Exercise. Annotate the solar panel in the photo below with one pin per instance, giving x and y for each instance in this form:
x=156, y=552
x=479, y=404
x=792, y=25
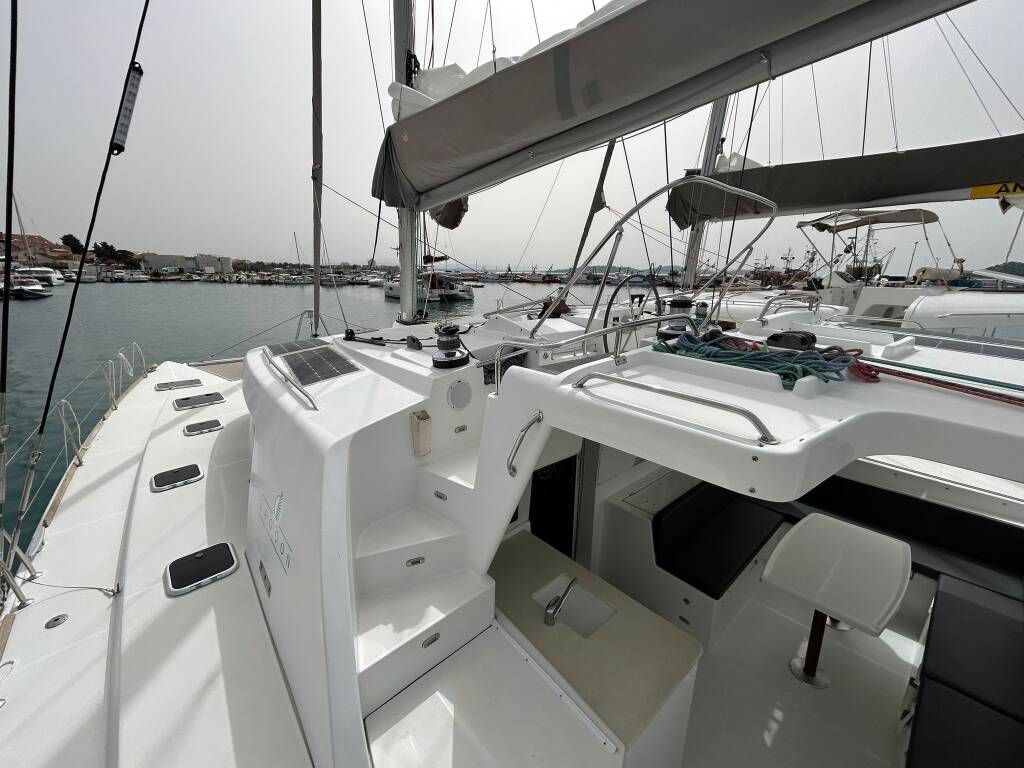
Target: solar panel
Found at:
x=318, y=364
x=295, y=346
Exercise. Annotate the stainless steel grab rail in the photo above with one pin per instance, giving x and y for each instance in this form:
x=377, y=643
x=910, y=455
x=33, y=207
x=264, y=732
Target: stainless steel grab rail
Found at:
x=289, y=380
x=537, y=418
x=764, y=434
x=813, y=301
x=522, y=346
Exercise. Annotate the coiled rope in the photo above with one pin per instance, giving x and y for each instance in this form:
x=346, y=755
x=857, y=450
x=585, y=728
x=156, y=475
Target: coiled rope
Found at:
x=789, y=365
x=829, y=364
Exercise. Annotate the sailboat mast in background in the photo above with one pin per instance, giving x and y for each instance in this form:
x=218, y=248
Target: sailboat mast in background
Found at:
x=318, y=162
x=405, y=45
x=712, y=148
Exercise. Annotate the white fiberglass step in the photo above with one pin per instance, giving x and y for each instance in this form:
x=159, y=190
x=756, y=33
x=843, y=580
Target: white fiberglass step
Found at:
x=405, y=632
x=406, y=547
x=458, y=467
x=484, y=706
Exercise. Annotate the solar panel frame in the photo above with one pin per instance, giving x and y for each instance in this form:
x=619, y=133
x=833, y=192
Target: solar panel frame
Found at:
x=320, y=363
x=286, y=347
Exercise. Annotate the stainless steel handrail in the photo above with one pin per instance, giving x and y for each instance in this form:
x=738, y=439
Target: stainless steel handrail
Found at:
x=764, y=434
x=289, y=380
x=549, y=345
x=813, y=301
x=680, y=182
x=537, y=418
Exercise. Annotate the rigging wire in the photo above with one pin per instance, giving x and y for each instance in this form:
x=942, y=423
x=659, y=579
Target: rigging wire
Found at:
x=817, y=111
x=250, y=338
x=636, y=201
x=982, y=63
x=373, y=66
x=36, y=452
x=483, y=30
x=327, y=258
x=867, y=94
x=743, y=167
x=536, y=26
x=537, y=222
x=887, y=60
x=970, y=82
x=494, y=47
x=671, y=250
x=8, y=203
x=451, y=26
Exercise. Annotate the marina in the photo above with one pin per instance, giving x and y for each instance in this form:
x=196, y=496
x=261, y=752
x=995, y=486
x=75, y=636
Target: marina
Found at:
x=736, y=510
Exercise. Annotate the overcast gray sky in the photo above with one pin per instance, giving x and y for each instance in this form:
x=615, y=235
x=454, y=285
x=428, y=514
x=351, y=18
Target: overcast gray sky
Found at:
x=218, y=156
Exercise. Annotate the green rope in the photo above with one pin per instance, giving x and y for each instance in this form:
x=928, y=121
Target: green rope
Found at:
x=788, y=365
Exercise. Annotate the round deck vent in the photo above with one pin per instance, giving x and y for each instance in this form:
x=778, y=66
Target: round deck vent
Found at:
x=460, y=394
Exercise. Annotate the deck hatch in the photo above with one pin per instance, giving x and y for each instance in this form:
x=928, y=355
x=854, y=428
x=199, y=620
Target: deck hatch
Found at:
x=198, y=401
x=319, y=364
x=164, y=386
x=294, y=346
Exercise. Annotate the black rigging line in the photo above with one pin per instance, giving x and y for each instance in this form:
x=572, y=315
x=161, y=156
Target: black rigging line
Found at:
x=37, y=452
x=376, y=235
x=4, y=332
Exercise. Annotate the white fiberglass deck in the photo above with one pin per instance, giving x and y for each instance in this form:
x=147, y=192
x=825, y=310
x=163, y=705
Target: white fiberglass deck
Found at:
x=144, y=679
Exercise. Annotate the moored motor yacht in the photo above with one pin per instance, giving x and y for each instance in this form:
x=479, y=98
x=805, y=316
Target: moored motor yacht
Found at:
x=44, y=275
x=25, y=287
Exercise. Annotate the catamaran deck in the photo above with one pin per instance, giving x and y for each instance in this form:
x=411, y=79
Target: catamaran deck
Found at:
x=142, y=678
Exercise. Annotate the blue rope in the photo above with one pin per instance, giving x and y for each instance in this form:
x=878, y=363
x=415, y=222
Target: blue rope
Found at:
x=789, y=365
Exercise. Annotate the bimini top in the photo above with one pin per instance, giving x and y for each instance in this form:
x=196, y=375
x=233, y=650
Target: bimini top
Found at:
x=844, y=220
x=971, y=170
x=634, y=67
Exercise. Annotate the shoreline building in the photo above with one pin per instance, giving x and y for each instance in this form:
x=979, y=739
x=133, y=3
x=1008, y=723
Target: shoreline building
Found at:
x=202, y=263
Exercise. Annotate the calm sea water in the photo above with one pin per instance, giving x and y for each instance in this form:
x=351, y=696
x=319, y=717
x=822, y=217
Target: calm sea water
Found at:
x=170, y=321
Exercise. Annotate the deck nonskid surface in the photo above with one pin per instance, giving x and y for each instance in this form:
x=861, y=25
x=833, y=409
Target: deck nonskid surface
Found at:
x=187, y=680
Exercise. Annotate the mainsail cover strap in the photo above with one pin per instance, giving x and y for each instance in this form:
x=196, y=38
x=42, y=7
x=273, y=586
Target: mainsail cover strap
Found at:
x=650, y=61
x=990, y=168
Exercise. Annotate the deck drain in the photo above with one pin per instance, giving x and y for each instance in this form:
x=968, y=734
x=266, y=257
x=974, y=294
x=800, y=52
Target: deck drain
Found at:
x=56, y=621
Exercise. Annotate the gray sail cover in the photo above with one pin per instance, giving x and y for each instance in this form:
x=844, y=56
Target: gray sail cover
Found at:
x=656, y=60
x=990, y=168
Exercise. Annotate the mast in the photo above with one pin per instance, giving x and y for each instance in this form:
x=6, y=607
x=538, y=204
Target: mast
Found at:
x=408, y=245
x=318, y=163
x=712, y=148
x=5, y=325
